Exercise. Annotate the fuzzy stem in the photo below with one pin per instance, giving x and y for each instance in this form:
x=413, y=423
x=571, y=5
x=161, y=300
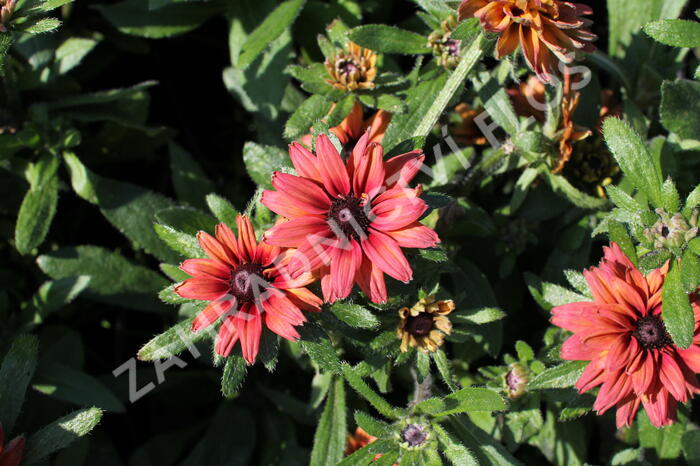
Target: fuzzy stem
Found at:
x=470, y=58
x=422, y=390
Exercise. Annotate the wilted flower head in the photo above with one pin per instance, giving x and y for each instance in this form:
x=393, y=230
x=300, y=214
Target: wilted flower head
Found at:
x=548, y=31
x=528, y=98
x=622, y=333
x=351, y=129
x=11, y=454
x=352, y=69
x=425, y=325
x=7, y=7
x=349, y=219
x=592, y=167
x=570, y=133
x=247, y=283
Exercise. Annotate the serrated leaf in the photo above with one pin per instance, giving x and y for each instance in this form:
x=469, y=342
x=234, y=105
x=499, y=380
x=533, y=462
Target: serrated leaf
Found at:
x=458, y=454
x=312, y=109
x=371, y=425
x=171, y=342
x=634, y=158
x=329, y=440
x=222, y=209
x=61, y=433
x=16, y=372
x=464, y=400
x=234, y=373
x=690, y=271
x=271, y=28
x=261, y=161
x=354, y=315
x=675, y=32
x=38, y=207
x=318, y=346
x=185, y=244
x=376, y=400
x=676, y=311
x=680, y=108
x=168, y=295
x=562, y=376
x=113, y=279
x=549, y=295
x=443, y=367
x=41, y=26
x=389, y=39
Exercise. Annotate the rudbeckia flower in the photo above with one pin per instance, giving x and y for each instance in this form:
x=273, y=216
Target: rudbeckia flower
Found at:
x=351, y=129
x=349, y=220
x=425, y=325
x=11, y=454
x=548, y=31
x=247, y=283
x=352, y=69
x=622, y=333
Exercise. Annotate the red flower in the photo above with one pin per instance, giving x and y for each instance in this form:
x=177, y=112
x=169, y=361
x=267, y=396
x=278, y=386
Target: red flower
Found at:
x=622, y=333
x=349, y=220
x=11, y=454
x=351, y=129
x=248, y=283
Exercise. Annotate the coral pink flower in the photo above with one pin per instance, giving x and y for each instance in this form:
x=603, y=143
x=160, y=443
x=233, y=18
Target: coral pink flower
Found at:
x=349, y=220
x=622, y=333
x=249, y=284
x=11, y=454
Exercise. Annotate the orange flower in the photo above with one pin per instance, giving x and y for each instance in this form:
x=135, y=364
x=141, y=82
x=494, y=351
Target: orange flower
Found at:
x=359, y=439
x=352, y=69
x=528, y=98
x=466, y=132
x=546, y=30
x=11, y=454
x=570, y=132
x=622, y=333
x=351, y=129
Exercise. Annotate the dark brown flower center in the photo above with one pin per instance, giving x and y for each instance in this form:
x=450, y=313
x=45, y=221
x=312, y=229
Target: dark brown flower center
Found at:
x=348, y=218
x=651, y=333
x=420, y=325
x=247, y=282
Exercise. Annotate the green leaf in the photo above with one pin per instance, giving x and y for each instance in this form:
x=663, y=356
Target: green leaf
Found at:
x=113, y=279
x=318, y=346
x=434, y=255
x=261, y=161
x=690, y=271
x=185, y=244
x=618, y=234
x=314, y=108
x=40, y=26
x=233, y=375
x=469, y=59
x=329, y=440
x=52, y=295
x=354, y=315
x=168, y=295
x=389, y=39
x=634, y=158
x=458, y=454
x=680, y=108
x=191, y=184
x=562, y=376
x=376, y=400
x=135, y=18
x=549, y=295
x=676, y=310
x=371, y=425
x=443, y=366
x=222, y=209
x=497, y=103
x=61, y=433
x=691, y=446
x=15, y=374
x=71, y=52
x=525, y=352
x=172, y=342
x=271, y=28
x=666, y=441
x=39, y=205
x=131, y=209
x=675, y=32
x=464, y=400
x=65, y=383
x=479, y=316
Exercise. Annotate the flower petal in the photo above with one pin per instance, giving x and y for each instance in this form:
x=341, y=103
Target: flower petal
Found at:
x=415, y=235
x=212, y=313
x=333, y=171
x=385, y=252
x=205, y=289
x=206, y=268
x=302, y=192
x=294, y=232
x=305, y=163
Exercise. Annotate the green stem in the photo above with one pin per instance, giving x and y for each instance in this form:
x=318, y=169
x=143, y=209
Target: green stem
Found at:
x=470, y=58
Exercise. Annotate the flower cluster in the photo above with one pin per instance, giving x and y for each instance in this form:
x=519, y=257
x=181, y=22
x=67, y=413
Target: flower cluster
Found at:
x=342, y=222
